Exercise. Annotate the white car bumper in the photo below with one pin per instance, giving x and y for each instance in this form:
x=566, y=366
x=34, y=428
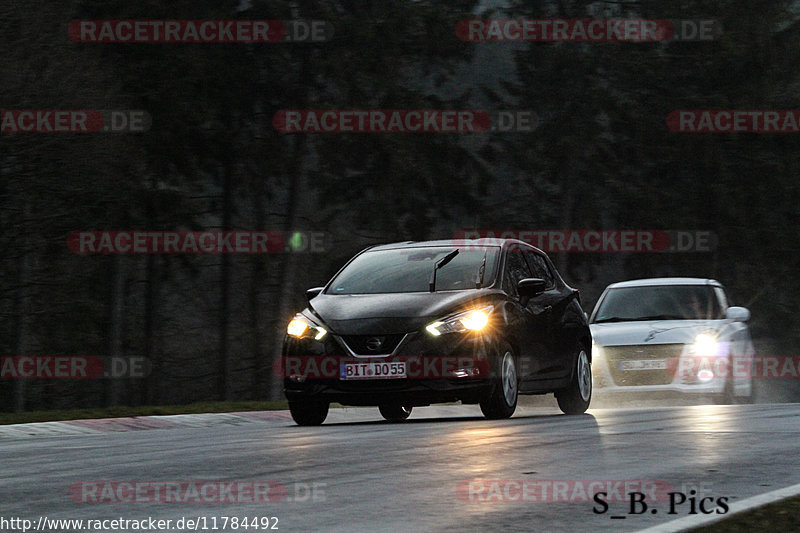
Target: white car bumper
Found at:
x=672, y=368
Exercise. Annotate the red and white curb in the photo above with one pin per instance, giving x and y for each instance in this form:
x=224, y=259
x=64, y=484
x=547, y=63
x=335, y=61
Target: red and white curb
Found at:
x=99, y=426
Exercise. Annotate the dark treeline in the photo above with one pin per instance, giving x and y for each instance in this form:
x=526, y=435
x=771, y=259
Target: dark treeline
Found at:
x=601, y=157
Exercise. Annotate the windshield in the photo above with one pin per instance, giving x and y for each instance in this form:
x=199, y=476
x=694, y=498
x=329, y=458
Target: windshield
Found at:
x=667, y=302
x=409, y=270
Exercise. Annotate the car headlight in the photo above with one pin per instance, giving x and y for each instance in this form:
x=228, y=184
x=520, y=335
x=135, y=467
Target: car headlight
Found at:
x=472, y=320
x=300, y=327
x=705, y=345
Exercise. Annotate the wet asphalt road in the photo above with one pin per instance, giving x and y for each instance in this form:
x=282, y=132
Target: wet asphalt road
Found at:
x=359, y=473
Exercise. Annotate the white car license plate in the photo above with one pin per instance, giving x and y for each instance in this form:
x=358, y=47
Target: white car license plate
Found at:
x=373, y=370
x=650, y=364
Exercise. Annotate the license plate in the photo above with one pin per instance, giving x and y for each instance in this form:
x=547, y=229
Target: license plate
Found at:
x=373, y=370
x=650, y=364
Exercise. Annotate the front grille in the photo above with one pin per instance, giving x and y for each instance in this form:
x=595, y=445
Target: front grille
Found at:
x=642, y=352
x=372, y=344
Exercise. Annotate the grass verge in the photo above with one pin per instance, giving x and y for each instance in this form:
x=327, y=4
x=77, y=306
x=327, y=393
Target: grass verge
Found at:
x=779, y=516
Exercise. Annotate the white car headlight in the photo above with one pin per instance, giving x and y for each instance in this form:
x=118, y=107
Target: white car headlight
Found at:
x=705, y=345
x=300, y=327
x=472, y=320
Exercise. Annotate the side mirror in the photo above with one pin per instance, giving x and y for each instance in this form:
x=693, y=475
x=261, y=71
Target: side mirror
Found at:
x=738, y=314
x=530, y=287
x=313, y=293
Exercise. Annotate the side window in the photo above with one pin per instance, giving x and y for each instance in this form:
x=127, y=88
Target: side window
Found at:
x=539, y=268
x=516, y=269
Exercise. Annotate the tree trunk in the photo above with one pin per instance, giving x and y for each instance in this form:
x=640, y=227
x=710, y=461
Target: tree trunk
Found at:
x=150, y=394
x=223, y=362
x=260, y=384
x=22, y=307
x=113, y=386
x=288, y=265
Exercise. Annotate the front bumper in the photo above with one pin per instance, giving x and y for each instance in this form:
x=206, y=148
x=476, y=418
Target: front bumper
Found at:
x=448, y=368
x=684, y=372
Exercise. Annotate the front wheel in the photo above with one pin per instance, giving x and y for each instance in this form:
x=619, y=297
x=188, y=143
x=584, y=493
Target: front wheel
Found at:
x=574, y=398
x=394, y=412
x=502, y=402
x=309, y=413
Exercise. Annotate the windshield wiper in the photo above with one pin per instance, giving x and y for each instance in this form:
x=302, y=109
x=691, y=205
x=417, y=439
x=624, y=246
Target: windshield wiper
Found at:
x=638, y=318
x=658, y=317
x=439, y=264
x=613, y=319
x=481, y=272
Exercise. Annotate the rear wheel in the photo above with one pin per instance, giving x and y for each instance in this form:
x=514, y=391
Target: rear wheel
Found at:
x=394, y=412
x=309, y=413
x=502, y=402
x=574, y=399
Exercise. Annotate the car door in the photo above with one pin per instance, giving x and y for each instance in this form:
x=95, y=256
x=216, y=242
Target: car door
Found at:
x=550, y=307
x=528, y=323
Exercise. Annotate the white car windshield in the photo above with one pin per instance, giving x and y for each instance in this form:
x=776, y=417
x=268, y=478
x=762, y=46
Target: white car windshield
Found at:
x=665, y=302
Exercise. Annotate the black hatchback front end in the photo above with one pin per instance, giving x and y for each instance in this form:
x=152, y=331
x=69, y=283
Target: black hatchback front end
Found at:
x=412, y=324
x=410, y=367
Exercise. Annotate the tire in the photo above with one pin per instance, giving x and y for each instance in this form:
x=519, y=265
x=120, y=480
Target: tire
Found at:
x=502, y=401
x=309, y=413
x=575, y=398
x=394, y=412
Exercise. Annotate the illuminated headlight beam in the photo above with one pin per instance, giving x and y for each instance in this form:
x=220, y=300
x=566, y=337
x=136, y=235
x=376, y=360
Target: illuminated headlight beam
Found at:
x=298, y=327
x=473, y=320
x=705, y=345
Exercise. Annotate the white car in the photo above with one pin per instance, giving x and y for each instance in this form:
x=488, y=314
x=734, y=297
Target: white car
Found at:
x=671, y=334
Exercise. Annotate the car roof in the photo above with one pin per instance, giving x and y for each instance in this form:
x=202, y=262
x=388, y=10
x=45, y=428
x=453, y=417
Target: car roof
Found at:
x=664, y=281
x=453, y=242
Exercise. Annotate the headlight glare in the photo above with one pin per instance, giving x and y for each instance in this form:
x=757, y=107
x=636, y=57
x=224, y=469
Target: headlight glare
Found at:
x=433, y=329
x=704, y=345
x=475, y=320
x=472, y=320
x=300, y=327
x=296, y=327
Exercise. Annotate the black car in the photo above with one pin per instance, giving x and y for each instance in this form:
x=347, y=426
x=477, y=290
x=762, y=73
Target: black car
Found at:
x=415, y=323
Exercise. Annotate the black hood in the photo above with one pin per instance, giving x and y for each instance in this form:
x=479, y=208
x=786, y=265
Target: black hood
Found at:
x=386, y=314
